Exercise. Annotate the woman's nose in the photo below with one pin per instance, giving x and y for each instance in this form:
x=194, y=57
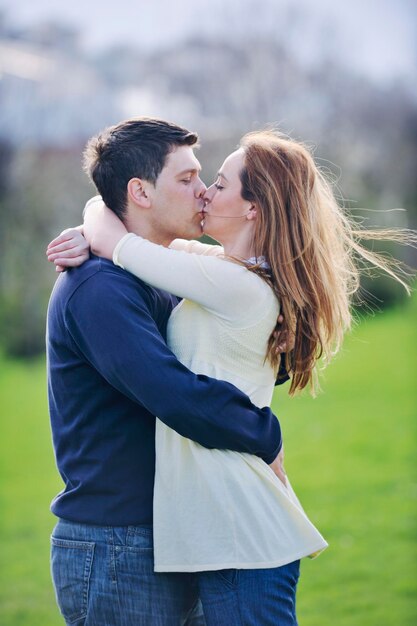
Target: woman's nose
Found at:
x=208, y=196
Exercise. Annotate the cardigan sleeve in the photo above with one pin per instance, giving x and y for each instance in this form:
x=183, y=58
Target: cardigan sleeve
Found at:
x=225, y=288
x=196, y=247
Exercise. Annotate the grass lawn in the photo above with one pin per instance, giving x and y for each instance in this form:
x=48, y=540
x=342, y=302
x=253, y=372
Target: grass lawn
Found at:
x=351, y=457
x=350, y=454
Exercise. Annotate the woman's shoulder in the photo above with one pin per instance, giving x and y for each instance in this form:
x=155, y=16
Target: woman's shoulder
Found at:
x=250, y=293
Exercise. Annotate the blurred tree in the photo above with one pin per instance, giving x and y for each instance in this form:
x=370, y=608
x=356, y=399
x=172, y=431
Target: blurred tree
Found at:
x=220, y=86
x=46, y=194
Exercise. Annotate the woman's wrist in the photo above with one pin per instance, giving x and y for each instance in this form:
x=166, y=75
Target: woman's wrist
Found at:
x=102, y=229
x=119, y=246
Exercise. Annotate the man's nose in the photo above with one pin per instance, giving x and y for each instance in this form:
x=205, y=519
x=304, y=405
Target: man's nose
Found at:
x=201, y=189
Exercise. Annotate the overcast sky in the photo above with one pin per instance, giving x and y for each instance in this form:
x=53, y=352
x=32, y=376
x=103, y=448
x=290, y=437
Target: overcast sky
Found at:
x=377, y=37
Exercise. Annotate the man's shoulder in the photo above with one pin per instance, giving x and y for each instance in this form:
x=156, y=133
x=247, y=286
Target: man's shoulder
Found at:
x=100, y=280
x=94, y=274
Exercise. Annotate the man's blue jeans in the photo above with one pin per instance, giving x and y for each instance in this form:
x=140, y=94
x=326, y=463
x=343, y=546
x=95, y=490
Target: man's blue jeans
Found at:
x=103, y=576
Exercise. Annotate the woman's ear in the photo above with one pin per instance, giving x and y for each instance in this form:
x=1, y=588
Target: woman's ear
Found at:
x=136, y=191
x=251, y=215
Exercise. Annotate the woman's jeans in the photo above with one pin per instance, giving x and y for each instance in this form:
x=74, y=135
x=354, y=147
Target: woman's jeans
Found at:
x=250, y=597
x=103, y=576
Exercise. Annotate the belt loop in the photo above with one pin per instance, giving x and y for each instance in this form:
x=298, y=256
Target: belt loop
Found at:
x=109, y=535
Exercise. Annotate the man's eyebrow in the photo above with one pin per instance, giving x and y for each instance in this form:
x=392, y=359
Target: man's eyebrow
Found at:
x=190, y=170
x=222, y=176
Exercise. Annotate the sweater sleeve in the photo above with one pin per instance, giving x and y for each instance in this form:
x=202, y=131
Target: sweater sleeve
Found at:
x=112, y=326
x=224, y=288
x=196, y=247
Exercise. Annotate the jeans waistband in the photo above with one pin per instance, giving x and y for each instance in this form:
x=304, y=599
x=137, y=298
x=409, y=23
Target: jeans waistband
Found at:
x=114, y=535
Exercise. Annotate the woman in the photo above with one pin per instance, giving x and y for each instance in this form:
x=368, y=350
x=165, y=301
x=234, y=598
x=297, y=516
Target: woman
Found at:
x=286, y=245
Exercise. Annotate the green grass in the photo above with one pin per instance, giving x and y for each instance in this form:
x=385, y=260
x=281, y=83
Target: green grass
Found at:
x=350, y=454
x=28, y=481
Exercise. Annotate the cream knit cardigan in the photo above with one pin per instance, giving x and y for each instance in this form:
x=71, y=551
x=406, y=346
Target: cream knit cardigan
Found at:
x=217, y=509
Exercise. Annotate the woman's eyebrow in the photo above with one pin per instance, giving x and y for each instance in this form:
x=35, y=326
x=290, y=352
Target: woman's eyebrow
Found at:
x=222, y=176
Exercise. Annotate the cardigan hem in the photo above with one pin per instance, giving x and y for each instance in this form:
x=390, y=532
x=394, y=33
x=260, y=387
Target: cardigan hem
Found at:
x=209, y=567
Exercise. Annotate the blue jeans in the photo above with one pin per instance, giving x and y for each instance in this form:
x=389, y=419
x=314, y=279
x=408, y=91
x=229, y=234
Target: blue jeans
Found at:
x=250, y=597
x=103, y=576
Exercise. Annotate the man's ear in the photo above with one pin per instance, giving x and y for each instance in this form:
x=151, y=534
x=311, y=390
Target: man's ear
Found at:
x=137, y=192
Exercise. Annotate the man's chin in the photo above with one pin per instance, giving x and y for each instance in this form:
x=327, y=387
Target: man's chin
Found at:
x=194, y=232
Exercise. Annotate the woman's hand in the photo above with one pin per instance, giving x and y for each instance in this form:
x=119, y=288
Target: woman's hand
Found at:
x=69, y=249
x=277, y=467
x=102, y=228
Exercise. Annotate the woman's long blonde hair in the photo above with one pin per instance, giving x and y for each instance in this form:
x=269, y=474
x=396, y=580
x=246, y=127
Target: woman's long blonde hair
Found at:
x=312, y=247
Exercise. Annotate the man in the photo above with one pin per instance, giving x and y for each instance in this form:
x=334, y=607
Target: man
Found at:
x=110, y=373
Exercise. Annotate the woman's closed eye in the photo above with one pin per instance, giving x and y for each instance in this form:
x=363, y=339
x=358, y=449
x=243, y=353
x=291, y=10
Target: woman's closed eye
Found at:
x=218, y=186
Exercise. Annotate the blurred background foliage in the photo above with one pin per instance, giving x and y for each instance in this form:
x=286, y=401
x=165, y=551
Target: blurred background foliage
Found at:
x=240, y=75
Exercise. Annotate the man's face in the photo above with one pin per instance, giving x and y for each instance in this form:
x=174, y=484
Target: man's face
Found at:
x=177, y=198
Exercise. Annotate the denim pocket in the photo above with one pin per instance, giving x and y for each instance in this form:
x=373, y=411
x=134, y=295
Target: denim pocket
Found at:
x=229, y=576
x=71, y=563
x=139, y=538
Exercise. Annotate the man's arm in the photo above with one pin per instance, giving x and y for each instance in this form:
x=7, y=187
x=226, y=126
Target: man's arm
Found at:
x=282, y=375
x=113, y=328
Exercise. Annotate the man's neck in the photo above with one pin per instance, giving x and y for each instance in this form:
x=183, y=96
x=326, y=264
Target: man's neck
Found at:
x=146, y=230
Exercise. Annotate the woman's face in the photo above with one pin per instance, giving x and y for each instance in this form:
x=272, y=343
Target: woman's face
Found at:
x=226, y=212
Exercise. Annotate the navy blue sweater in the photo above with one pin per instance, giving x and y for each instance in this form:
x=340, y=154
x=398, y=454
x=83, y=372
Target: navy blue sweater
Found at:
x=109, y=373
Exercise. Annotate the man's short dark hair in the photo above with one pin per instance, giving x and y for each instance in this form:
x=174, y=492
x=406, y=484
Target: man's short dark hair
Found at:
x=136, y=148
